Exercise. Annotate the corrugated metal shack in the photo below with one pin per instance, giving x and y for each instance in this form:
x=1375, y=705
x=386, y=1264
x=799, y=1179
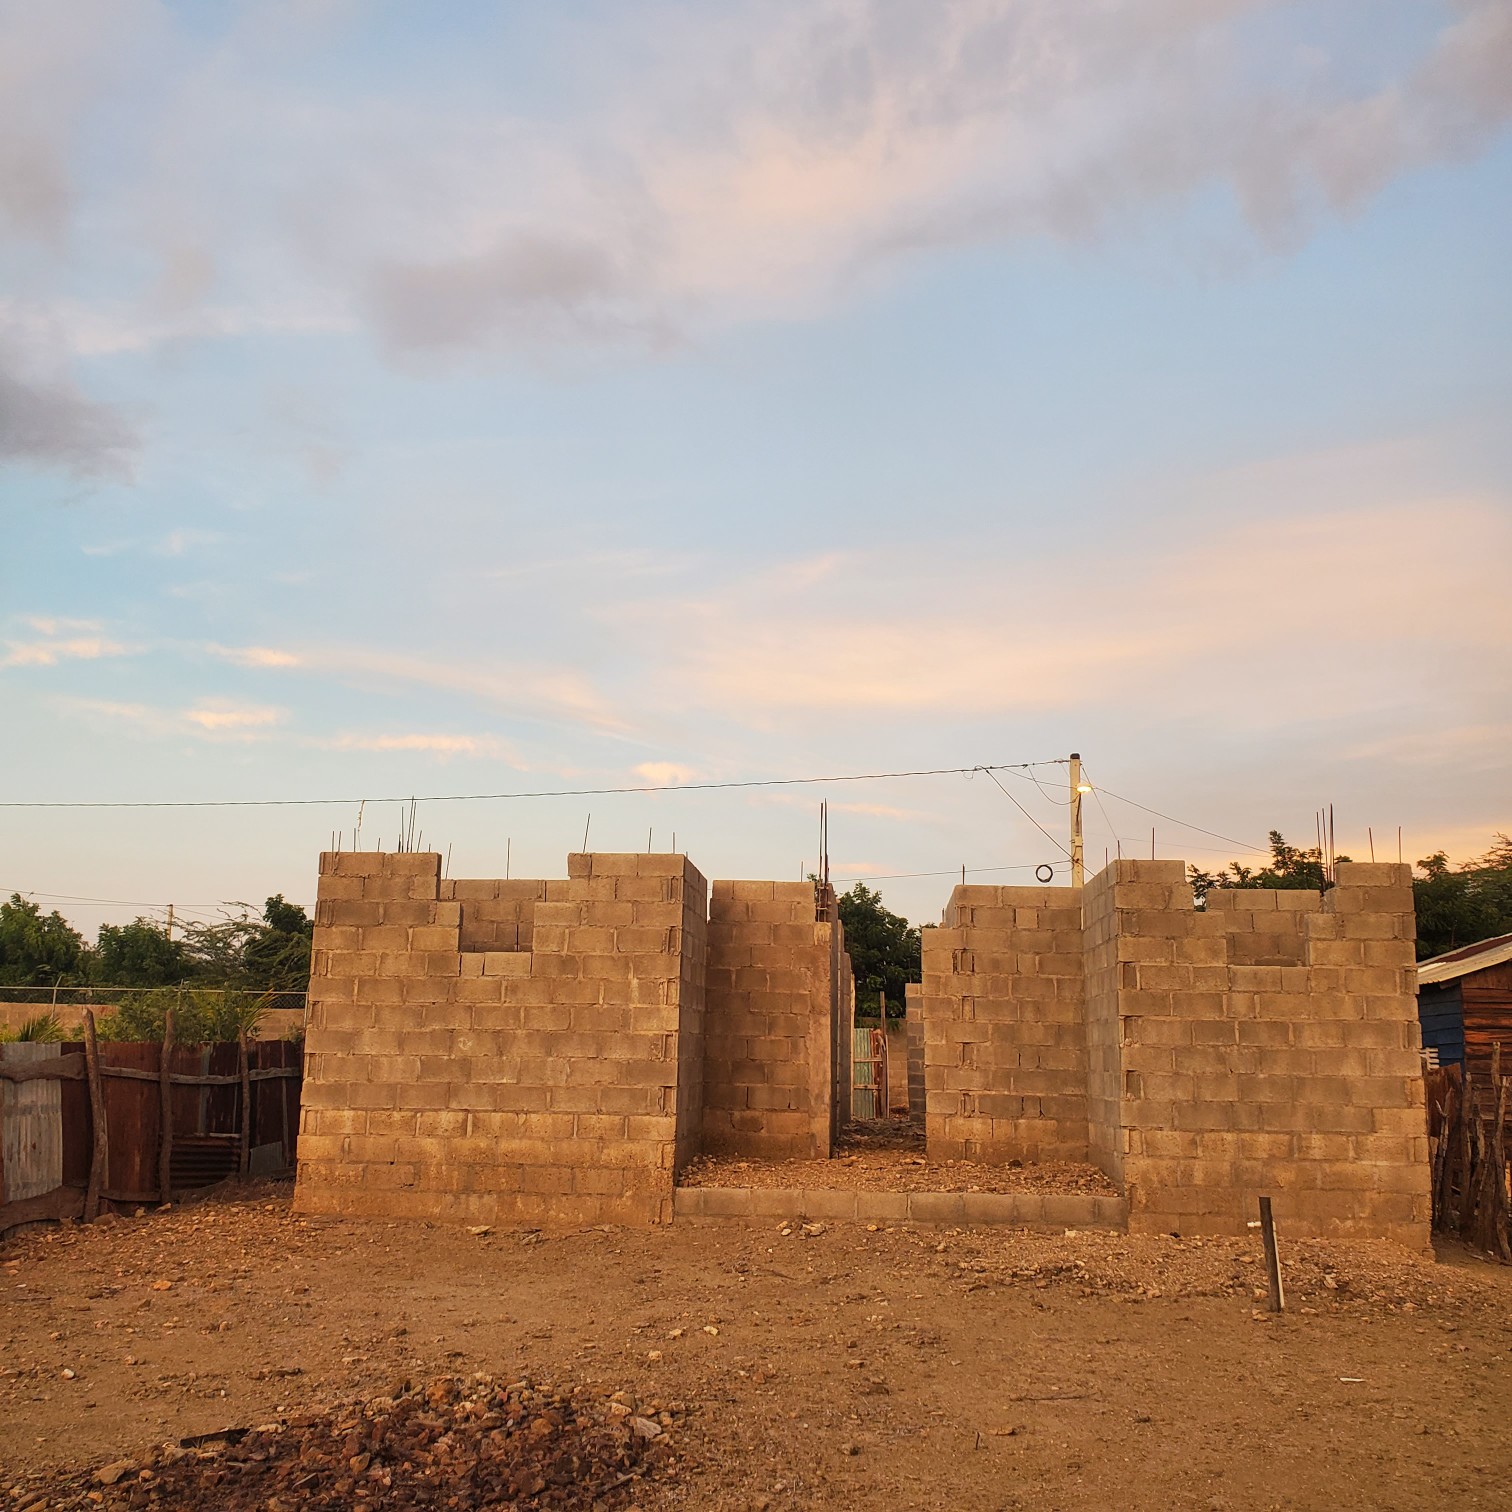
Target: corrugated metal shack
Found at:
x=1465, y=1004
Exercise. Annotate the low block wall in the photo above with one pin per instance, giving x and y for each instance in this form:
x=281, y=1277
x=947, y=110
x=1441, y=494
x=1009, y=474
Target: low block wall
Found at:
x=768, y=1041
x=484, y=1084
x=1269, y=1046
x=1266, y=1044
x=1005, y=1050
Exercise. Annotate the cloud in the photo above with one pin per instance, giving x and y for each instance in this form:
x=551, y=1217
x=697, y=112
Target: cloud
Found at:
x=1308, y=613
x=765, y=155
x=48, y=653
x=222, y=715
x=442, y=746
x=548, y=693
x=54, y=63
x=665, y=773
x=217, y=719
x=717, y=164
x=182, y=541
x=51, y=624
x=255, y=656
x=47, y=421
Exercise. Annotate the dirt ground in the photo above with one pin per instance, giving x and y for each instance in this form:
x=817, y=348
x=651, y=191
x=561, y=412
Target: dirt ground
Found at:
x=827, y=1366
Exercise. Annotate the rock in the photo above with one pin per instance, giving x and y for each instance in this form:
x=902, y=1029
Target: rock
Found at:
x=850, y=1449
x=108, y=1475
x=709, y=1328
x=645, y=1428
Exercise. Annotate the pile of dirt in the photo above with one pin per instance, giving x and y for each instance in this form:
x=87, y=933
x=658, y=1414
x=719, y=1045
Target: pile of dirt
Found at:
x=456, y=1443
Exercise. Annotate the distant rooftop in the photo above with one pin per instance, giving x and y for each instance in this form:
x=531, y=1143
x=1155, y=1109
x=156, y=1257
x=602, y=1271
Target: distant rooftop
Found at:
x=1468, y=958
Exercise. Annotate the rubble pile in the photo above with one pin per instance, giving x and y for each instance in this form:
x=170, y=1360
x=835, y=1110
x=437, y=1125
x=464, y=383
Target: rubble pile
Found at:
x=456, y=1443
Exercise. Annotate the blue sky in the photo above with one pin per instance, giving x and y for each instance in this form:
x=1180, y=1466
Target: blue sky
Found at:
x=487, y=398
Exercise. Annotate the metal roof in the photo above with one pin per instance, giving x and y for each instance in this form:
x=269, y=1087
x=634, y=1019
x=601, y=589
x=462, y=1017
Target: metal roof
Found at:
x=1468, y=958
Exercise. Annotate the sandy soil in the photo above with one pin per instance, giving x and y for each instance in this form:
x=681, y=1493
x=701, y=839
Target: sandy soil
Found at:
x=888, y=1155
x=835, y=1367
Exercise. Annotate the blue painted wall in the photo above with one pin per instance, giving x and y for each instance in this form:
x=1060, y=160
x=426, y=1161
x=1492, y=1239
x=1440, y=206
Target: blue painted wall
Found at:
x=1441, y=1013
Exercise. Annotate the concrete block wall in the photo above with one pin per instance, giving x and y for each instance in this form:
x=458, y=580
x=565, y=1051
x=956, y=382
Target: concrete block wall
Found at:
x=490, y=1084
x=914, y=1041
x=843, y=1019
x=1005, y=1048
x=1100, y=954
x=1264, y=1045
x=1269, y=1046
x=772, y=996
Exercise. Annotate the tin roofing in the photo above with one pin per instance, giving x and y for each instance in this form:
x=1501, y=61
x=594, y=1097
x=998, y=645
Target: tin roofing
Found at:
x=1468, y=958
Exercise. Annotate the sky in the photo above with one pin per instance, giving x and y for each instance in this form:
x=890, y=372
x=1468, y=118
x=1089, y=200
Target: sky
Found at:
x=501, y=398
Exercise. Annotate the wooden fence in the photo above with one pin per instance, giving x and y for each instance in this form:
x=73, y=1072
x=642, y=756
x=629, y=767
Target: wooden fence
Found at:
x=1467, y=1125
x=84, y=1125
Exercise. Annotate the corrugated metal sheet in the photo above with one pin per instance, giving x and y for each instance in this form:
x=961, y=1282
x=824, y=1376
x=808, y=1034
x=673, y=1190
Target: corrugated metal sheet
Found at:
x=31, y=1129
x=864, y=1087
x=1457, y=963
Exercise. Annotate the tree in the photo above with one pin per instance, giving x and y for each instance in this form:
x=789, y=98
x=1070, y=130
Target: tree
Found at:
x=1290, y=869
x=1458, y=905
x=200, y=1014
x=36, y=949
x=884, y=949
x=138, y=954
x=277, y=956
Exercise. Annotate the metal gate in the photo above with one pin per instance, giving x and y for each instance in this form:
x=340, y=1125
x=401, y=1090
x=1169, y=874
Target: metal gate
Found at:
x=869, y=1098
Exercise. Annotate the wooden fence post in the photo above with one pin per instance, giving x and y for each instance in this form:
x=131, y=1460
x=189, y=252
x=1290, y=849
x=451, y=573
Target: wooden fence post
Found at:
x=99, y=1157
x=1277, y=1298
x=246, y=1119
x=165, y=1103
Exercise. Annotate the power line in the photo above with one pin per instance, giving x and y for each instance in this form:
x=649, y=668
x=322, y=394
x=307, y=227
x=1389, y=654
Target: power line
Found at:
x=1025, y=812
x=664, y=787
x=955, y=871
x=1227, y=839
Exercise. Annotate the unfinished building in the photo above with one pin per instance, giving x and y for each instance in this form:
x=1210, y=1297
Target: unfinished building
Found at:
x=531, y=1050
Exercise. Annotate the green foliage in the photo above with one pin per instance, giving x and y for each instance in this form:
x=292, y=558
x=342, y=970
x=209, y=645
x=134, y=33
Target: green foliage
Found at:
x=277, y=956
x=1290, y=869
x=272, y=954
x=1458, y=905
x=37, y=949
x=138, y=954
x=200, y=1014
x=884, y=950
x=43, y=1028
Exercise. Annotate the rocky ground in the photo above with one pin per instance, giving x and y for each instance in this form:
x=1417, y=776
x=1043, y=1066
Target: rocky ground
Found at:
x=780, y=1366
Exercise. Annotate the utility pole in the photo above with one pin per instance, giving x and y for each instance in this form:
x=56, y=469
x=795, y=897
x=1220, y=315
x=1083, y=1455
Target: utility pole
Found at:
x=170, y=921
x=1078, y=871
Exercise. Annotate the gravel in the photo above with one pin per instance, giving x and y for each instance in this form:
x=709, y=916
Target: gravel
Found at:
x=455, y=1443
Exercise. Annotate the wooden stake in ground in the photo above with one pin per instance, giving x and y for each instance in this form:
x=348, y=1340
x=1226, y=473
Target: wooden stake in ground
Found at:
x=99, y=1155
x=246, y=1109
x=1500, y=1243
x=165, y=1114
x=1272, y=1259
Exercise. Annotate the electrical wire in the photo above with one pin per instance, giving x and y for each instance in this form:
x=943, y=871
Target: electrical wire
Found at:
x=1182, y=823
x=955, y=871
x=1025, y=812
x=664, y=787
